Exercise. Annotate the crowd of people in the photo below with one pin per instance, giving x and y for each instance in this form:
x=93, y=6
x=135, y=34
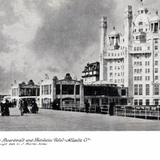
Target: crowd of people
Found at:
x=5, y=108
x=23, y=107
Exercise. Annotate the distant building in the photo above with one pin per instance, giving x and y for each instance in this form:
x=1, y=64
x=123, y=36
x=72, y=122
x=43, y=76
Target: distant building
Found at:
x=65, y=91
x=2, y=97
x=91, y=73
x=101, y=93
x=24, y=90
x=68, y=92
x=46, y=93
x=132, y=59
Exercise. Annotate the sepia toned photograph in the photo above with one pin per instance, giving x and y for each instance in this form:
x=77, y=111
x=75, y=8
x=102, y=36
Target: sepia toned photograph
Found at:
x=79, y=65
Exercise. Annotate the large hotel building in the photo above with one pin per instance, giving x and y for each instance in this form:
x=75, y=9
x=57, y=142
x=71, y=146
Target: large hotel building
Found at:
x=132, y=59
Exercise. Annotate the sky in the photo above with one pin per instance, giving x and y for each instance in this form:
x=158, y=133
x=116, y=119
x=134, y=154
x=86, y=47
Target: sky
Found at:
x=53, y=37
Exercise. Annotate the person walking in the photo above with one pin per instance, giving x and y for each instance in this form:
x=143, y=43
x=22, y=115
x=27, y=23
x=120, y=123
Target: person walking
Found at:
x=6, y=108
x=25, y=104
x=111, y=108
x=34, y=108
x=87, y=106
x=21, y=107
x=2, y=108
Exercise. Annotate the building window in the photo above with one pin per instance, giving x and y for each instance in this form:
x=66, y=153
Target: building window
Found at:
x=147, y=102
x=156, y=70
x=140, y=89
x=147, y=63
x=140, y=102
x=46, y=89
x=156, y=55
x=156, y=102
x=68, y=89
x=147, y=70
x=155, y=27
x=156, y=47
x=156, y=90
x=147, y=89
x=156, y=77
x=156, y=41
x=136, y=89
x=135, y=102
x=156, y=63
x=147, y=78
x=111, y=67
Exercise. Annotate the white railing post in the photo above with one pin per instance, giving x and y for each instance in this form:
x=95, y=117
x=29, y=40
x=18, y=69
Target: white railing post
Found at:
x=145, y=113
x=158, y=112
x=134, y=111
x=116, y=110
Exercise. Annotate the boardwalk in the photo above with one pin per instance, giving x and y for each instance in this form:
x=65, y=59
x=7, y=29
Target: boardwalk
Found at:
x=49, y=120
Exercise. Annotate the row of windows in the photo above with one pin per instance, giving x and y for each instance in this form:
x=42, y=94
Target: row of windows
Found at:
x=140, y=48
x=138, y=102
x=115, y=54
x=147, y=70
x=137, y=48
x=137, y=70
x=140, y=30
x=116, y=61
x=117, y=74
x=117, y=81
x=138, y=63
x=116, y=67
x=142, y=56
x=138, y=89
x=139, y=78
x=147, y=63
x=147, y=102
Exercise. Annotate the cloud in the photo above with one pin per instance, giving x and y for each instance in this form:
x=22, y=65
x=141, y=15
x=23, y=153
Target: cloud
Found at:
x=53, y=36
x=67, y=33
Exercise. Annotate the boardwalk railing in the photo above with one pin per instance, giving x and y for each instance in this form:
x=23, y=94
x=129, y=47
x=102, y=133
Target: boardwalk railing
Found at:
x=138, y=111
x=126, y=111
x=72, y=108
x=92, y=108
